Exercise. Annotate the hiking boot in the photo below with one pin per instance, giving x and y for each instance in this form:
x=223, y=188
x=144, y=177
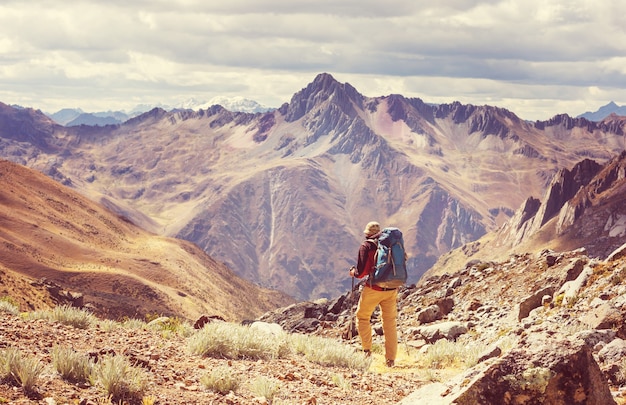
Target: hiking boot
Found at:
x=367, y=353
x=390, y=363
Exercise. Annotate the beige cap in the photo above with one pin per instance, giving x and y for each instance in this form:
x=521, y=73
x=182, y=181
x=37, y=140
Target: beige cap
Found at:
x=372, y=228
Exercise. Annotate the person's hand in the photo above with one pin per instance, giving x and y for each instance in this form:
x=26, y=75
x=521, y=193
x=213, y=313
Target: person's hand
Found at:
x=352, y=271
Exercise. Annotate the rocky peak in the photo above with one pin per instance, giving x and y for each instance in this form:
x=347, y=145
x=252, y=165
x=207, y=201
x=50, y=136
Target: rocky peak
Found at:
x=534, y=213
x=614, y=123
x=564, y=186
x=566, y=121
x=486, y=119
x=413, y=111
x=324, y=89
x=605, y=190
x=26, y=125
x=153, y=115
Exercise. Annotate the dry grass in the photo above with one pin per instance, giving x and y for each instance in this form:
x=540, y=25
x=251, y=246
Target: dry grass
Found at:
x=19, y=369
x=71, y=365
x=119, y=379
x=221, y=380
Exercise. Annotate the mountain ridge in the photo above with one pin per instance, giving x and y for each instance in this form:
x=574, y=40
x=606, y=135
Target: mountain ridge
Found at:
x=581, y=209
x=314, y=170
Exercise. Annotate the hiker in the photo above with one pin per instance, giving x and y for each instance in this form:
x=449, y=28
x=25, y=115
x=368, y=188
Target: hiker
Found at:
x=374, y=295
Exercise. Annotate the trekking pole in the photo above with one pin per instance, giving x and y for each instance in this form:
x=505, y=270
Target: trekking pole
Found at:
x=351, y=310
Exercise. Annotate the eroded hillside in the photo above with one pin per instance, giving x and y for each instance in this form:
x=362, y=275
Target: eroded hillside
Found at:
x=58, y=247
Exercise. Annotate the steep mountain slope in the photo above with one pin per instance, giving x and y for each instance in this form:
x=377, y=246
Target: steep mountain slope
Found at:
x=582, y=208
x=282, y=196
x=59, y=247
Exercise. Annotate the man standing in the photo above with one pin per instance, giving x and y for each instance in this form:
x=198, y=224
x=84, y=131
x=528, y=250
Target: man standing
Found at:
x=374, y=295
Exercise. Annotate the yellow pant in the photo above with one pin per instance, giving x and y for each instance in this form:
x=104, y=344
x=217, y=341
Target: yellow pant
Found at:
x=389, y=309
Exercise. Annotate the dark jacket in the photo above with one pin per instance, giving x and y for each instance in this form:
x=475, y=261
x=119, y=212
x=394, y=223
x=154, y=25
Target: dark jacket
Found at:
x=366, y=260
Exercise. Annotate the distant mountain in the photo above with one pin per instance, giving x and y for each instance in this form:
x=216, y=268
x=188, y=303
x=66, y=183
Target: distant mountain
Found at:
x=75, y=116
x=235, y=104
x=65, y=115
x=281, y=197
x=95, y=120
x=604, y=111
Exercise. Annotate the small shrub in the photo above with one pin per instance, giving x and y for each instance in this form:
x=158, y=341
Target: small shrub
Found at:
x=8, y=359
x=108, y=325
x=150, y=400
x=228, y=340
x=444, y=353
x=172, y=326
x=24, y=371
x=133, y=323
x=558, y=301
x=120, y=381
x=28, y=371
x=72, y=366
x=508, y=342
x=534, y=379
x=67, y=315
x=341, y=382
x=220, y=380
x=8, y=308
x=326, y=351
x=265, y=387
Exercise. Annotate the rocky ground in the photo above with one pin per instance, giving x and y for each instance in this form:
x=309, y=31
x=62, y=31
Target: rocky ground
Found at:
x=558, y=316
x=174, y=374
x=557, y=307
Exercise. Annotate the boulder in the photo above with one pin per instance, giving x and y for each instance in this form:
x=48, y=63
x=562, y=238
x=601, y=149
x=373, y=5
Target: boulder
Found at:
x=557, y=372
x=571, y=289
x=532, y=301
x=617, y=253
x=446, y=305
x=273, y=329
x=573, y=269
x=204, y=319
x=429, y=314
x=613, y=352
x=604, y=316
x=444, y=330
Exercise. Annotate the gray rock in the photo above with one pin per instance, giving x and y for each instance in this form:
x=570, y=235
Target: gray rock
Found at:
x=571, y=289
x=533, y=301
x=444, y=330
x=593, y=337
x=554, y=373
x=613, y=352
x=617, y=253
x=269, y=328
x=429, y=314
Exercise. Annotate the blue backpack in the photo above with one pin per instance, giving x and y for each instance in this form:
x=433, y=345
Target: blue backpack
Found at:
x=390, y=270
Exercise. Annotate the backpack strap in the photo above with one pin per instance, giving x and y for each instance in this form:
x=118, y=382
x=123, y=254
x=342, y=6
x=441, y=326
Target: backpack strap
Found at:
x=370, y=277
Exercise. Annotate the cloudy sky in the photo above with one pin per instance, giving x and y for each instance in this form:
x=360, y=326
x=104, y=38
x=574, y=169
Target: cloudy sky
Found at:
x=537, y=58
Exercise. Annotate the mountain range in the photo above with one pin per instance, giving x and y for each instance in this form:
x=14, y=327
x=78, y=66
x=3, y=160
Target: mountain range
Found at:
x=75, y=116
x=281, y=197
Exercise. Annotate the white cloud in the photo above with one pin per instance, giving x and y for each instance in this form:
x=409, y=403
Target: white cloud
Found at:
x=535, y=57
